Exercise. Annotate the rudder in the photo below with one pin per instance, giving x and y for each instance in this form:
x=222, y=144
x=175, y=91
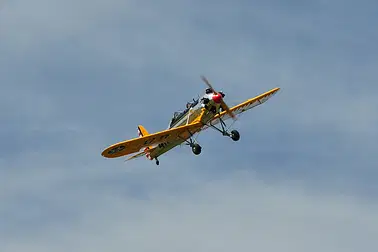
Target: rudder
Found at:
x=143, y=132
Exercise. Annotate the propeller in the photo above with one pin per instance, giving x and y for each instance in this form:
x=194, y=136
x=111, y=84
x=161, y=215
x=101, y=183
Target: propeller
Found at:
x=218, y=98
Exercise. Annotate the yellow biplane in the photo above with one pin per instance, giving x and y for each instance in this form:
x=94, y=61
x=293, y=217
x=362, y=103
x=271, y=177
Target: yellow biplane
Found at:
x=203, y=113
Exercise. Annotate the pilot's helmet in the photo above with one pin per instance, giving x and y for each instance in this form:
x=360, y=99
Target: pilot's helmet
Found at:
x=208, y=91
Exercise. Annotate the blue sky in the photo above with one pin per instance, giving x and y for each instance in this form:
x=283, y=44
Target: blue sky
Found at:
x=77, y=76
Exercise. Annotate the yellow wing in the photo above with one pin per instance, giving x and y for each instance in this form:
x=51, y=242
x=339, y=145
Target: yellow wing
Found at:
x=244, y=106
x=134, y=145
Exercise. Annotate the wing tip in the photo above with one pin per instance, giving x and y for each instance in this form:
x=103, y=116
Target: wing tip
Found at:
x=114, y=151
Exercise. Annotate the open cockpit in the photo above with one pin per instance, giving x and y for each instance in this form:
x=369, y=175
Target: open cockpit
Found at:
x=178, y=115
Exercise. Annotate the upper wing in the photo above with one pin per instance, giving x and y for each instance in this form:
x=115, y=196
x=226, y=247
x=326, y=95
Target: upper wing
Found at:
x=134, y=145
x=248, y=104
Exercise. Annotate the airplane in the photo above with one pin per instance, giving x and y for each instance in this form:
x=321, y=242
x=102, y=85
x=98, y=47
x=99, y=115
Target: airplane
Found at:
x=201, y=114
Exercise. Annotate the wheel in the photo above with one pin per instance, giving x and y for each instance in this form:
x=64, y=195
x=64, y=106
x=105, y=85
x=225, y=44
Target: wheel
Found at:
x=235, y=135
x=157, y=162
x=196, y=149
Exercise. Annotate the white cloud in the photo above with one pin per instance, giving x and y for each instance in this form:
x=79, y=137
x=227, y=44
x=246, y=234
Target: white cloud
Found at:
x=239, y=213
x=140, y=36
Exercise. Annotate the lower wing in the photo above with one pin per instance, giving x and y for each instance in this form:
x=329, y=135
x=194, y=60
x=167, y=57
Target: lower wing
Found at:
x=136, y=144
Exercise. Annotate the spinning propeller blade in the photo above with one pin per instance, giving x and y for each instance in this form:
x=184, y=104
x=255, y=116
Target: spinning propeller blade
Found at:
x=223, y=104
x=208, y=84
x=227, y=109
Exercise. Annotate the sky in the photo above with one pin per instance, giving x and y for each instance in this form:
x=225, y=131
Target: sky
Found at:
x=79, y=75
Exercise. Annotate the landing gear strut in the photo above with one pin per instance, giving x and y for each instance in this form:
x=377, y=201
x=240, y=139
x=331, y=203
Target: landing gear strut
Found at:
x=234, y=134
x=196, y=148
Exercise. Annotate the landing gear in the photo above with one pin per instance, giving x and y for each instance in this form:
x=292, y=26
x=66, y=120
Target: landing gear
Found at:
x=196, y=148
x=234, y=134
x=157, y=161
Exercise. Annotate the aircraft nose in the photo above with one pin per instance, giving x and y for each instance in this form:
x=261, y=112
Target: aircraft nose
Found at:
x=217, y=98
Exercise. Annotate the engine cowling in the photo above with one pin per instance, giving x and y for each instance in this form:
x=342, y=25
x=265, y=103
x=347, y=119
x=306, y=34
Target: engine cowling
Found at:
x=217, y=98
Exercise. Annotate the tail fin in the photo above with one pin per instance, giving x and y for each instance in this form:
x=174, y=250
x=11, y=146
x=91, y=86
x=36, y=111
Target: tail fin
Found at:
x=143, y=132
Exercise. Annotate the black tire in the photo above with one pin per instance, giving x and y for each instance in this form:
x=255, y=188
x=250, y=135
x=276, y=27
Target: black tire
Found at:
x=235, y=135
x=196, y=149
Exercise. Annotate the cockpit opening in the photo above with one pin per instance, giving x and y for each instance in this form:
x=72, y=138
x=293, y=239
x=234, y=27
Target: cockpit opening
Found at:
x=179, y=114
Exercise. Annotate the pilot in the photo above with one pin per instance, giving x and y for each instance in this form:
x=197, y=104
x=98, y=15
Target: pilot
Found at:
x=209, y=91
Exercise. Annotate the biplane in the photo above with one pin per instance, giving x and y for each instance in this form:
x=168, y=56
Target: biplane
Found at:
x=205, y=112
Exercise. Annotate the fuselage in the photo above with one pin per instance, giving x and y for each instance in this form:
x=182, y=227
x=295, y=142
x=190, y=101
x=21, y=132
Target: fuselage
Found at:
x=187, y=117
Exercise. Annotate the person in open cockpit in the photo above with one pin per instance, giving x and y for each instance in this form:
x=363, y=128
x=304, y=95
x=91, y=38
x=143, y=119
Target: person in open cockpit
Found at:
x=180, y=113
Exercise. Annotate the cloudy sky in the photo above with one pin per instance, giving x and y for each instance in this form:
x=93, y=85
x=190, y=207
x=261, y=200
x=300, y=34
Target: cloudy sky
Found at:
x=79, y=75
